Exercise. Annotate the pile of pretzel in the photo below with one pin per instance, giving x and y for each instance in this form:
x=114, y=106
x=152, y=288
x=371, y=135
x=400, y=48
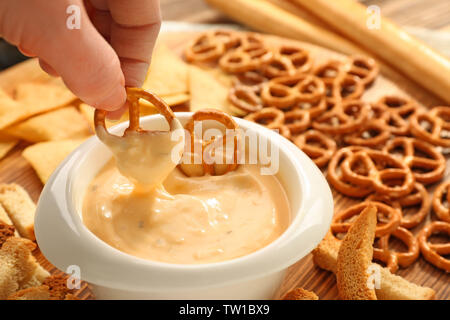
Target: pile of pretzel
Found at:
x=386, y=152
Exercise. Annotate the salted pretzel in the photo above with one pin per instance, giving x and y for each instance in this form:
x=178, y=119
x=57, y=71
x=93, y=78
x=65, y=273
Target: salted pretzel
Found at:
x=418, y=154
x=372, y=134
x=364, y=68
x=399, y=110
x=441, y=201
x=317, y=146
x=388, y=218
x=393, y=258
x=211, y=45
x=419, y=195
x=268, y=117
x=297, y=120
x=330, y=71
x=245, y=98
x=335, y=178
x=378, y=169
x=432, y=126
x=345, y=117
x=250, y=54
x=251, y=79
x=133, y=96
x=207, y=148
x=288, y=60
x=434, y=252
x=314, y=108
x=345, y=88
x=286, y=92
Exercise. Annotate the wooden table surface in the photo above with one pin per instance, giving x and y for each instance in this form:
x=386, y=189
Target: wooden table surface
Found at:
x=432, y=14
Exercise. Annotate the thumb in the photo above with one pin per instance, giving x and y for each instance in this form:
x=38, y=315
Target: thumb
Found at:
x=81, y=56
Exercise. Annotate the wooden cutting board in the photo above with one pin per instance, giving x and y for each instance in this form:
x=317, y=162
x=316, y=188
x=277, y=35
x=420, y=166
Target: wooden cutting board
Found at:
x=304, y=273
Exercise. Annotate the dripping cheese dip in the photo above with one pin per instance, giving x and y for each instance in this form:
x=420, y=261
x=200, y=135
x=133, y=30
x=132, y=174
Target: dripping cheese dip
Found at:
x=187, y=220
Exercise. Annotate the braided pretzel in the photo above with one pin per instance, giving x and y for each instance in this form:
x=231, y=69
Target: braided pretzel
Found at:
x=343, y=118
x=341, y=225
x=439, y=126
x=245, y=98
x=297, y=120
x=317, y=146
x=286, y=92
x=335, y=178
x=208, y=147
x=394, y=259
x=288, y=60
x=433, y=164
x=364, y=68
x=376, y=174
x=439, y=207
x=372, y=134
x=433, y=252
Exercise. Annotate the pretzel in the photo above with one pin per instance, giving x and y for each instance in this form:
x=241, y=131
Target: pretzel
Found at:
x=345, y=88
x=317, y=146
x=376, y=174
x=297, y=120
x=339, y=224
x=335, y=178
x=245, y=98
x=434, y=252
x=268, y=117
x=133, y=96
x=364, y=68
x=343, y=118
x=252, y=79
x=251, y=54
x=208, y=147
x=419, y=195
x=437, y=132
x=288, y=60
x=315, y=108
x=281, y=129
x=439, y=207
x=394, y=259
x=330, y=71
x=413, y=151
x=286, y=92
x=211, y=45
x=372, y=134
x=399, y=110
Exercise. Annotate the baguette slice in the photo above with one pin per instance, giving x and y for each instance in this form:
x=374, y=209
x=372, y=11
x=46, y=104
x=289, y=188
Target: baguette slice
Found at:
x=20, y=208
x=300, y=294
x=355, y=257
x=34, y=293
x=392, y=287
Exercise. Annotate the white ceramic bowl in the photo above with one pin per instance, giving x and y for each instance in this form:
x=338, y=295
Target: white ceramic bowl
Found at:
x=65, y=241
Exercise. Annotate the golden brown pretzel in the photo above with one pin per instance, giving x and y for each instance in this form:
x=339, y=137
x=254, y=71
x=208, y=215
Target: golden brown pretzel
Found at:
x=297, y=120
x=340, y=223
x=372, y=134
x=364, y=68
x=439, y=207
x=210, y=45
x=250, y=54
x=418, y=154
x=345, y=117
x=207, y=148
x=419, y=195
x=379, y=168
x=438, y=126
x=335, y=178
x=329, y=71
x=434, y=252
x=288, y=60
x=133, y=96
x=399, y=110
x=394, y=259
x=268, y=117
x=245, y=98
x=317, y=146
x=286, y=92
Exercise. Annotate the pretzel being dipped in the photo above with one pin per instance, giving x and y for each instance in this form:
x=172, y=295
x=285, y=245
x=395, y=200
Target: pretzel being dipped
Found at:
x=196, y=164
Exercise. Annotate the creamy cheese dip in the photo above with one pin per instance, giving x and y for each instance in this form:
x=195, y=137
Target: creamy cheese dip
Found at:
x=187, y=220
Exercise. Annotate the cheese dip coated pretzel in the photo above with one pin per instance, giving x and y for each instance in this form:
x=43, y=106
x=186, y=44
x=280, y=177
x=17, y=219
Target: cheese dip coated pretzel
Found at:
x=147, y=157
